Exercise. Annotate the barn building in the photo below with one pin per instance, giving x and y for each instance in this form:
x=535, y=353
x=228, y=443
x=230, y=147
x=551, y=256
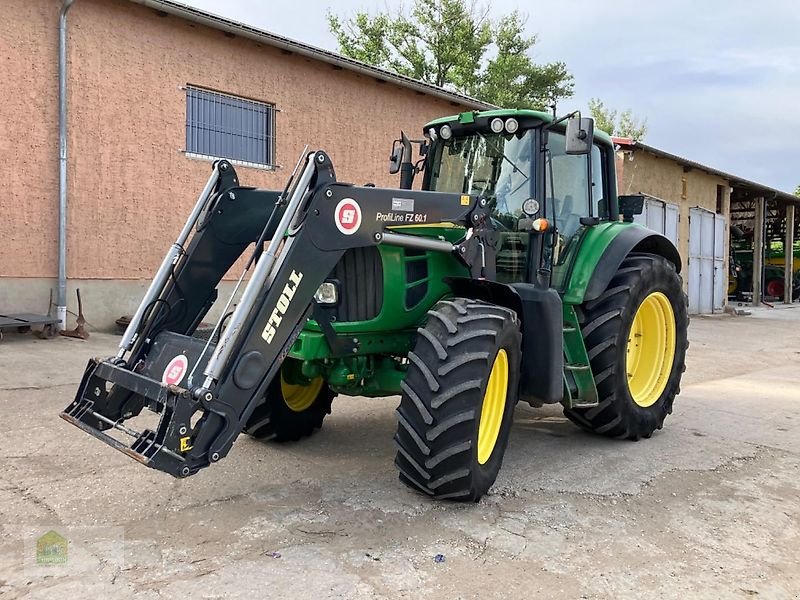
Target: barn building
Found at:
x=111, y=112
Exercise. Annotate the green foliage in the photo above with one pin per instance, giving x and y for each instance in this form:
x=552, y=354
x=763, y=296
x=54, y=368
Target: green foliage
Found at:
x=614, y=123
x=455, y=45
x=797, y=191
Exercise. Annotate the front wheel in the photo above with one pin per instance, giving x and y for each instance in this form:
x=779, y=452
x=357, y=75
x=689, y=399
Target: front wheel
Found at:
x=458, y=399
x=636, y=338
x=292, y=409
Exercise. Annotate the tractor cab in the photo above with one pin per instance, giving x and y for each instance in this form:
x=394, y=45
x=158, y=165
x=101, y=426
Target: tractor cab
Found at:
x=540, y=176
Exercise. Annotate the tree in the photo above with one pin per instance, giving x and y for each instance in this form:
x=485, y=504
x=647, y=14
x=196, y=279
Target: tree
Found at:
x=797, y=191
x=625, y=126
x=454, y=44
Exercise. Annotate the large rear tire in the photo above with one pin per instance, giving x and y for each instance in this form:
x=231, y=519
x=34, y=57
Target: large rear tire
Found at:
x=290, y=411
x=636, y=338
x=458, y=400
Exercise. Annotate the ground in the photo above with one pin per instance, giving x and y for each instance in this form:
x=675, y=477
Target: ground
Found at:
x=709, y=507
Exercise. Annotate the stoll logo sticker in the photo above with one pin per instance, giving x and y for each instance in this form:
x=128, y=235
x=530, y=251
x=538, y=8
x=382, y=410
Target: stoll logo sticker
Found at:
x=175, y=370
x=348, y=216
x=51, y=549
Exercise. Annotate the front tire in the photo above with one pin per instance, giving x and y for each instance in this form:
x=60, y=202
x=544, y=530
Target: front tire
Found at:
x=458, y=400
x=290, y=411
x=636, y=338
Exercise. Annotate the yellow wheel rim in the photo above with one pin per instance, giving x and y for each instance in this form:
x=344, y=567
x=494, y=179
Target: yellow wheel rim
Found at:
x=300, y=397
x=493, y=407
x=732, y=285
x=651, y=349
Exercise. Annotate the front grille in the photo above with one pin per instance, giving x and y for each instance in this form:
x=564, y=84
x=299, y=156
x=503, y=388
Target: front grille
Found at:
x=360, y=276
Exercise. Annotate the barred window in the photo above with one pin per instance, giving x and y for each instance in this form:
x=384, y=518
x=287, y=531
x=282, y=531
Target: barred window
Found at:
x=224, y=126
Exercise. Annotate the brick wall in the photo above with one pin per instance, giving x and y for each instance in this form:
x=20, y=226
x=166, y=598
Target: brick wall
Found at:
x=130, y=186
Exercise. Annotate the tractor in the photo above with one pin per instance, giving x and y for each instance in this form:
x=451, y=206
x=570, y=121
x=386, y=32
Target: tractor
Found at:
x=511, y=272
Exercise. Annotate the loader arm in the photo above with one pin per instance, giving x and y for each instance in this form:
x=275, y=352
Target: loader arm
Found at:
x=203, y=392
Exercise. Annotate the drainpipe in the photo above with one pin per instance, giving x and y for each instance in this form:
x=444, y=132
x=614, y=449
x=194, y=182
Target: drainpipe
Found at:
x=61, y=296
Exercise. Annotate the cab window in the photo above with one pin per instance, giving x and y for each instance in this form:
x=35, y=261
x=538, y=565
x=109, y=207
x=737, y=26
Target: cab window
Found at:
x=566, y=186
x=569, y=192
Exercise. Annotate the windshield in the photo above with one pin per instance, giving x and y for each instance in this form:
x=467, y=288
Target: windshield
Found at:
x=494, y=166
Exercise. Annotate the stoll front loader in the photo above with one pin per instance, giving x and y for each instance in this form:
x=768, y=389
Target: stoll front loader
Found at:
x=516, y=273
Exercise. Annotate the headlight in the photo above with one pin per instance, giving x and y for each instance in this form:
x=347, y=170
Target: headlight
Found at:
x=327, y=293
x=512, y=125
x=496, y=125
x=530, y=207
x=445, y=132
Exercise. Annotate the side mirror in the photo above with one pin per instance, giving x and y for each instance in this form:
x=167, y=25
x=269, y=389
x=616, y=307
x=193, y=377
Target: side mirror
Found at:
x=401, y=152
x=396, y=157
x=630, y=206
x=580, y=134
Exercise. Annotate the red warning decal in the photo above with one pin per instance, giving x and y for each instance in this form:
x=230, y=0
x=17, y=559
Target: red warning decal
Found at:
x=175, y=370
x=348, y=216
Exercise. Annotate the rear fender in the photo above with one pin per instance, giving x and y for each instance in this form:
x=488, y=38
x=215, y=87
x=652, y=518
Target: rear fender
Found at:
x=602, y=251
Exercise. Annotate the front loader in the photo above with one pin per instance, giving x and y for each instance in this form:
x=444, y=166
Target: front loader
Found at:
x=515, y=273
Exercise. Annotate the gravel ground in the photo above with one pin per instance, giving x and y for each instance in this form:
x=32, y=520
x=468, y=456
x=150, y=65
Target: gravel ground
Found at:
x=707, y=508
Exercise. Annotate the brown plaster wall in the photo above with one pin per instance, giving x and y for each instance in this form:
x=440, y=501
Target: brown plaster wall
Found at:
x=130, y=186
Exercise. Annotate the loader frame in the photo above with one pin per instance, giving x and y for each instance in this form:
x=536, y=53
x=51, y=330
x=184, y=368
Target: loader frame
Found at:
x=311, y=225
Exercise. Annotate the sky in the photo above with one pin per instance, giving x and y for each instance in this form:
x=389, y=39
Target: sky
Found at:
x=717, y=80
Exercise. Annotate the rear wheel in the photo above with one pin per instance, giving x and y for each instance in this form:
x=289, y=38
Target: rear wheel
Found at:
x=293, y=408
x=775, y=288
x=458, y=399
x=636, y=338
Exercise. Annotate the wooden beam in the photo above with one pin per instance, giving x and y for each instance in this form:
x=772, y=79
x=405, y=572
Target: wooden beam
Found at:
x=788, y=254
x=758, y=251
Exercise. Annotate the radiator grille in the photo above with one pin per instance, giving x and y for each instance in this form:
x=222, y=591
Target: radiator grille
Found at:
x=360, y=275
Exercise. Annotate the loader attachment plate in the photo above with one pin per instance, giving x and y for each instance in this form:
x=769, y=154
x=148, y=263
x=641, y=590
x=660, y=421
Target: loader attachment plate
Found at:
x=110, y=394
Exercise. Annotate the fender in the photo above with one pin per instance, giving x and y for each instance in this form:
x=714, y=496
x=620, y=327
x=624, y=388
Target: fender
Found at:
x=602, y=250
x=540, y=314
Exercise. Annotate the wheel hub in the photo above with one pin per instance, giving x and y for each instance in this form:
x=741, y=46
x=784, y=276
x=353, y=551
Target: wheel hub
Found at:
x=650, y=350
x=493, y=407
x=300, y=397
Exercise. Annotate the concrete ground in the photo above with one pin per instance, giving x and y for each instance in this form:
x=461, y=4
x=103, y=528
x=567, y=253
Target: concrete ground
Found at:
x=707, y=508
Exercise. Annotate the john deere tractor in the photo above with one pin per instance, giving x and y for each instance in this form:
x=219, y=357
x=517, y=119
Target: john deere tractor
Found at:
x=514, y=274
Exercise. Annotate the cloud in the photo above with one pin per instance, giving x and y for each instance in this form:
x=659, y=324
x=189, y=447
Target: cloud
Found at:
x=718, y=81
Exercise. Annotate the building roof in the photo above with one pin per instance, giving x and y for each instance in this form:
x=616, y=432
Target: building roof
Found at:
x=754, y=189
x=248, y=31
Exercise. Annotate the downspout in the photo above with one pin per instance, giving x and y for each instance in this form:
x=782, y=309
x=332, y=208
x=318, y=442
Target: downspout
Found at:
x=61, y=295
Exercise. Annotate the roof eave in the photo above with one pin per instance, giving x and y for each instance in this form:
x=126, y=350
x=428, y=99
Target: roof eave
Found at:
x=631, y=144
x=221, y=23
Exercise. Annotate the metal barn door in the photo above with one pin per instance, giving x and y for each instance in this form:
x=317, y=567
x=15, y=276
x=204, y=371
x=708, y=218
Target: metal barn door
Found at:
x=660, y=216
x=672, y=214
x=707, y=274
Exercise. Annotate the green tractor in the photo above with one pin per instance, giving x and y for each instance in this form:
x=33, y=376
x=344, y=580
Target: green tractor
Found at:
x=514, y=274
